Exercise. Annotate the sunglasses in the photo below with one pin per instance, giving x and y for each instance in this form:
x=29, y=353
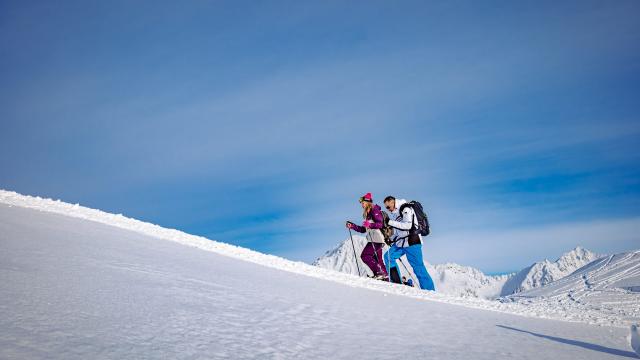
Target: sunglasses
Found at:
x=388, y=207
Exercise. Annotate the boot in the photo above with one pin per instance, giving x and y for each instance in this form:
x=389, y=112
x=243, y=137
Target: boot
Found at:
x=395, y=276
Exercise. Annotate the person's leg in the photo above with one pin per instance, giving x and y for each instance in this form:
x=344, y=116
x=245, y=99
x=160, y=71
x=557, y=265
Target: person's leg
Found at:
x=379, y=259
x=390, y=257
x=368, y=257
x=394, y=275
x=414, y=255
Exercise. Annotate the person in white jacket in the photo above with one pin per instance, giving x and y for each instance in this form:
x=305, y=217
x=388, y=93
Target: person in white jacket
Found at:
x=406, y=241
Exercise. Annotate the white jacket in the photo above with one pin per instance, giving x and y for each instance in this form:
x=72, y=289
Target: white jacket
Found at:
x=401, y=223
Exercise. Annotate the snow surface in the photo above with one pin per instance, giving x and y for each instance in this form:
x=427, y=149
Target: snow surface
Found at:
x=112, y=287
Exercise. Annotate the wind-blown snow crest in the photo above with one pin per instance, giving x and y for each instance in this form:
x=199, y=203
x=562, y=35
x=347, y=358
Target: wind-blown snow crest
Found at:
x=120, y=221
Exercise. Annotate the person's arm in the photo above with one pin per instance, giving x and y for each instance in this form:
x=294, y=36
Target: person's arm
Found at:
x=407, y=220
x=358, y=228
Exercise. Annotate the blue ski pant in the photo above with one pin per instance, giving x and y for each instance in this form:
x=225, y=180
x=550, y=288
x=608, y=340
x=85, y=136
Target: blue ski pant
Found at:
x=414, y=255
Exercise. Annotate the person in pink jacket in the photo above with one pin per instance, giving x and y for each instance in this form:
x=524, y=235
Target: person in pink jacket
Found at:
x=373, y=222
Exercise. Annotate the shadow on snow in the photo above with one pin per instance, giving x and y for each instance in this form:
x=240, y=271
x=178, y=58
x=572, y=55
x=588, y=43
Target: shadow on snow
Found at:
x=581, y=344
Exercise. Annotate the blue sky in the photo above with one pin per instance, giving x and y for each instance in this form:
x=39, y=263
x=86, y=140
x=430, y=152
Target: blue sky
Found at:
x=517, y=125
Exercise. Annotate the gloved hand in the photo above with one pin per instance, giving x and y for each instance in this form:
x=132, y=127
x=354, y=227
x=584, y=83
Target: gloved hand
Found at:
x=350, y=225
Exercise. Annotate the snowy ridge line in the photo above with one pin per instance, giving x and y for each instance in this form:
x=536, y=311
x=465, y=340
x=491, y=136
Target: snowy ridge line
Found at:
x=118, y=220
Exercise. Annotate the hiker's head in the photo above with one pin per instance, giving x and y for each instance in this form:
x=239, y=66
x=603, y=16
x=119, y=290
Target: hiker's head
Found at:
x=404, y=278
x=366, y=201
x=390, y=203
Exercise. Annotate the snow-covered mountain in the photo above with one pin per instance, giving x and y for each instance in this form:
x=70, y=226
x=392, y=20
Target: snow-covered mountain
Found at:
x=466, y=281
x=450, y=279
x=611, y=284
x=341, y=258
x=612, y=273
x=458, y=280
x=544, y=272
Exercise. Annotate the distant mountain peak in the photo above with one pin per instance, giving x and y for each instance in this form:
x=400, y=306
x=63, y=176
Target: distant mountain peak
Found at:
x=544, y=272
x=578, y=252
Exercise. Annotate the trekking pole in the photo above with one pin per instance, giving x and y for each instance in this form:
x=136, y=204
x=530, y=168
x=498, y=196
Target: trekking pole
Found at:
x=354, y=252
x=407, y=270
x=389, y=263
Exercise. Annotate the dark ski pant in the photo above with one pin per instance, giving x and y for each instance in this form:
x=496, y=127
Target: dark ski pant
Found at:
x=372, y=256
x=414, y=255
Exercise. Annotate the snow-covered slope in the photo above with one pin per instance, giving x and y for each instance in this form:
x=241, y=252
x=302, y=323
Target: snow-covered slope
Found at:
x=611, y=284
x=450, y=279
x=77, y=283
x=545, y=272
x=13, y=199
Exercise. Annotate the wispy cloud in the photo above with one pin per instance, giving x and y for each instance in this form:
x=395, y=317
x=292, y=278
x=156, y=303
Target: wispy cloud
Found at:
x=249, y=127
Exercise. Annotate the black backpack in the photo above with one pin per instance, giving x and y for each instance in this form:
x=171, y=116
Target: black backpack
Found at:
x=422, y=227
x=387, y=231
